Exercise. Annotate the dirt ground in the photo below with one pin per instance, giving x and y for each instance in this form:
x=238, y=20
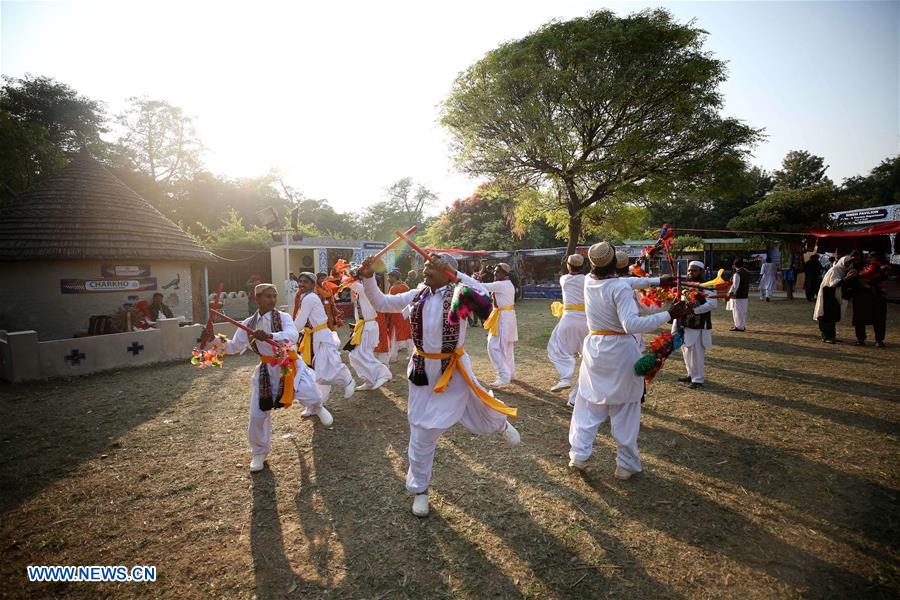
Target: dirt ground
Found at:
x=780, y=478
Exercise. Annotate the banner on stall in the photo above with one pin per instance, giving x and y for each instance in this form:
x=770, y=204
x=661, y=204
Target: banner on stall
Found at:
x=108, y=270
x=96, y=286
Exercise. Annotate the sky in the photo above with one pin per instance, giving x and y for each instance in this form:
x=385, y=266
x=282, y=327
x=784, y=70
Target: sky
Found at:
x=343, y=97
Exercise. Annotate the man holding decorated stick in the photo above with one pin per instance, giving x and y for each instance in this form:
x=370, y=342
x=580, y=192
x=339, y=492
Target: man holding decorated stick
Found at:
x=607, y=384
x=275, y=381
x=503, y=333
x=443, y=389
x=319, y=345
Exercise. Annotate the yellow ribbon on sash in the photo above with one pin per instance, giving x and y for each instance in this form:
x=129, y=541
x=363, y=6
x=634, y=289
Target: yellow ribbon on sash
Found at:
x=607, y=332
x=307, y=342
x=356, y=338
x=557, y=308
x=456, y=365
x=287, y=396
x=492, y=323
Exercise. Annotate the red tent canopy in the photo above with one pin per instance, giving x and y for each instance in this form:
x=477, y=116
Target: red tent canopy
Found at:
x=879, y=229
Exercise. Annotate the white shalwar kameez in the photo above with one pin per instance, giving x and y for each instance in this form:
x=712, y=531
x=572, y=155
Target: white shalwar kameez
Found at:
x=767, y=280
x=737, y=306
x=362, y=357
x=259, y=431
x=329, y=368
x=429, y=413
x=607, y=385
x=568, y=335
x=697, y=342
x=501, y=347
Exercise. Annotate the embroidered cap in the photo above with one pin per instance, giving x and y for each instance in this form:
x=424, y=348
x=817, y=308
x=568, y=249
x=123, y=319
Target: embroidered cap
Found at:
x=505, y=267
x=621, y=259
x=601, y=254
x=449, y=260
x=576, y=260
x=259, y=289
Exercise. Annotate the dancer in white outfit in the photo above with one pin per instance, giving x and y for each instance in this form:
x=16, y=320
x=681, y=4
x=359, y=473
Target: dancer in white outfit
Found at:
x=443, y=389
x=607, y=385
x=697, y=331
x=569, y=333
x=372, y=371
x=270, y=390
x=319, y=343
x=503, y=333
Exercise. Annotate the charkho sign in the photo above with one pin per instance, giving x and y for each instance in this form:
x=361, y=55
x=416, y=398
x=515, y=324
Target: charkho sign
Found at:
x=125, y=270
x=94, y=286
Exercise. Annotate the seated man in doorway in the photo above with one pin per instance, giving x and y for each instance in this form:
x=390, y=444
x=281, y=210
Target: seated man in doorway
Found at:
x=158, y=309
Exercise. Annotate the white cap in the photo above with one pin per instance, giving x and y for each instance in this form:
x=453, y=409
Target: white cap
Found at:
x=696, y=263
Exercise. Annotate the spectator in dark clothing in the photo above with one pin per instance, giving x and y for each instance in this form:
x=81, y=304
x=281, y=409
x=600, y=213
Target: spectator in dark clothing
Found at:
x=812, y=271
x=157, y=307
x=867, y=294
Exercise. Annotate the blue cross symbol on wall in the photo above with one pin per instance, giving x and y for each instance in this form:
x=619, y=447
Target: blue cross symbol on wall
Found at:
x=75, y=357
x=134, y=348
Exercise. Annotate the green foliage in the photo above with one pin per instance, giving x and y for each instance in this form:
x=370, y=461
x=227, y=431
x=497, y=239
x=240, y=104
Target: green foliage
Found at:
x=405, y=206
x=880, y=187
x=42, y=124
x=159, y=140
x=789, y=209
x=800, y=169
x=583, y=109
x=486, y=221
x=231, y=234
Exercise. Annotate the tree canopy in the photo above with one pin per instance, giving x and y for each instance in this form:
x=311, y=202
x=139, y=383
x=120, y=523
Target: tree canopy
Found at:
x=586, y=108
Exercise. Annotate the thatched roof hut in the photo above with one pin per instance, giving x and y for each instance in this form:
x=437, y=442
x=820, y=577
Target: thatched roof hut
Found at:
x=84, y=244
x=86, y=213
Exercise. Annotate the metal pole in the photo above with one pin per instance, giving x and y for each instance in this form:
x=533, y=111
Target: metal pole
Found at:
x=206, y=292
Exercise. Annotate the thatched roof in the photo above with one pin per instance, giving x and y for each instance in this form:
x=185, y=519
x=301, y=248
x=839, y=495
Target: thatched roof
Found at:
x=86, y=213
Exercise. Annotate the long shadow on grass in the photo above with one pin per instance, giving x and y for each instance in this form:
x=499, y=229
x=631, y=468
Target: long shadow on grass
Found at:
x=714, y=528
x=387, y=550
x=48, y=428
x=842, y=386
x=794, y=351
x=811, y=487
x=271, y=569
x=841, y=417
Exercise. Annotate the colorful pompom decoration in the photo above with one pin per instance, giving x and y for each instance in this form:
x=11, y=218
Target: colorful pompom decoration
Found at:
x=467, y=301
x=211, y=355
x=658, y=350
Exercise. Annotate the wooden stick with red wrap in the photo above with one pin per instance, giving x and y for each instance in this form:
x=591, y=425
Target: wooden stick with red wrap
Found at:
x=240, y=325
x=209, y=322
x=450, y=273
x=350, y=276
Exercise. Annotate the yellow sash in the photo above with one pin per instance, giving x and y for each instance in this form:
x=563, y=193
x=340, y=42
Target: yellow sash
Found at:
x=287, y=397
x=557, y=308
x=356, y=338
x=307, y=341
x=607, y=332
x=493, y=321
x=456, y=365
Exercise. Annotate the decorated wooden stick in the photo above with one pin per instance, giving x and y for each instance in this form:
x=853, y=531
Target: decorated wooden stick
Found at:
x=240, y=325
x=424, y=254
x=209, y=322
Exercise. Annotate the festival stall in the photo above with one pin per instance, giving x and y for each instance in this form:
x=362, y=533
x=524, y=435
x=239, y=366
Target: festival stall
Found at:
x=871, y=229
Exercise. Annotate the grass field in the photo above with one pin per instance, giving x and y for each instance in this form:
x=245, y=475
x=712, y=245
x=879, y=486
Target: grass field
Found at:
x=780, y=478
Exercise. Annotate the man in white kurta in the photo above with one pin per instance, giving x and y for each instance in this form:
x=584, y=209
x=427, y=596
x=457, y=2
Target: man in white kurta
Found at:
x=263, y=322
x=323, y=343
x=503, y=332
x=568, y=335
x=607, y=385
x=767, y=279
x=372, y=371
x=430, y=412
x=697, y=331
x=737, y=295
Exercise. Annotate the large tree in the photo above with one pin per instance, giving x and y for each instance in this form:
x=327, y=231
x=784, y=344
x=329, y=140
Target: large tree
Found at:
x=789, y=209
x=159, y=140
x=405, y=206
x=881, y=186
x=800, y=169
x=585, y=108
x=42, y=124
